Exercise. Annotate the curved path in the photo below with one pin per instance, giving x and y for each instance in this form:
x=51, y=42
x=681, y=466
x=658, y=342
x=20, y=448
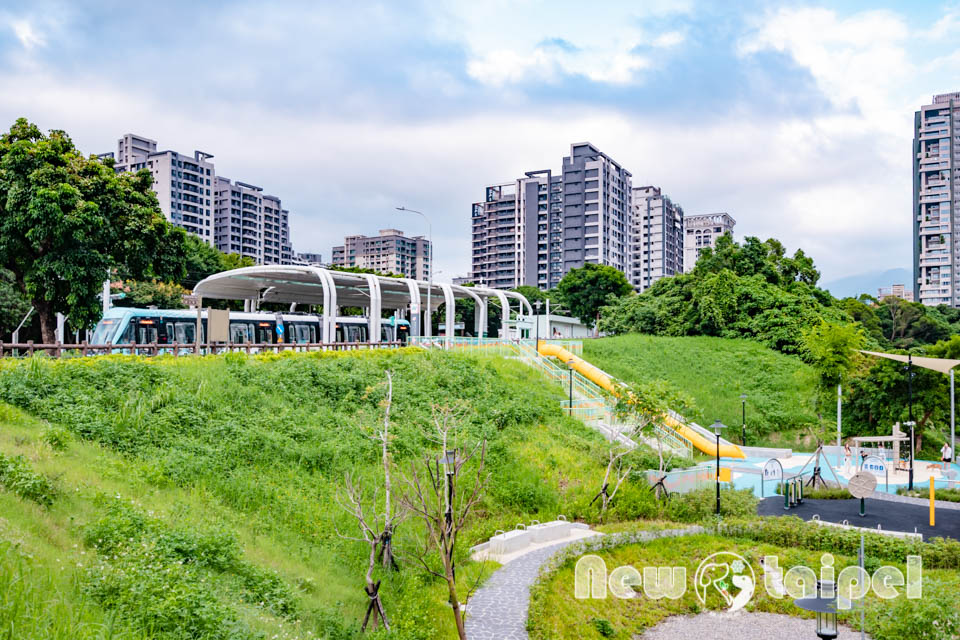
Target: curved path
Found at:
x=498, y=610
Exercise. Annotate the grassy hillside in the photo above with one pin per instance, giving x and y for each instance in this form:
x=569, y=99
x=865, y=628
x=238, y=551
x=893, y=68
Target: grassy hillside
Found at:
x=714, y=372
x=194, y=498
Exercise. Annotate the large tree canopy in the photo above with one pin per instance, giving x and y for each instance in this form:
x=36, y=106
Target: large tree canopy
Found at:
x=66, y=221
x=590, y=287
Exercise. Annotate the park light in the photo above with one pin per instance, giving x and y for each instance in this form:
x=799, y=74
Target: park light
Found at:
x=537, y=304
x=743, y=424
x=570, y=365
x=825, y=605
x=718, y=428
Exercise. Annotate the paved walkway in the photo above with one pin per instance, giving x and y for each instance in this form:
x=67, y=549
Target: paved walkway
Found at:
x=498, y=610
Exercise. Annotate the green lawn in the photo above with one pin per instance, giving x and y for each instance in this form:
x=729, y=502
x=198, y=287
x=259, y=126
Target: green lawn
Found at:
x=139, y=494
x=713, y=372
x=556, y=614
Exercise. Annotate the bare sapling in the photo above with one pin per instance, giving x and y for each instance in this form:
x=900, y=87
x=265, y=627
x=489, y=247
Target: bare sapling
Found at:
x=442, y=491
x=376, y=528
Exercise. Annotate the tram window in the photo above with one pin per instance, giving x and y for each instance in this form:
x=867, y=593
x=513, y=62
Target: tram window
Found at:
x=169, y=334
x=264, y=333
x=127, y=336
x=340, y=337
x=186, y=332
x=386, y=333
x=303, y=333
x=313, y=333
x=146, y=334
x=356, y=333
x=241, y=332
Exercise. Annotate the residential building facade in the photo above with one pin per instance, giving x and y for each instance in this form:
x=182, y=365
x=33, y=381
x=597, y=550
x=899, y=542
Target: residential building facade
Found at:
x=533, y=230
x=236, y=217
x=184, y=184
x=895, y=291
x=656, y=238
x=702, y=231
x=388, y=252
x=936, y=201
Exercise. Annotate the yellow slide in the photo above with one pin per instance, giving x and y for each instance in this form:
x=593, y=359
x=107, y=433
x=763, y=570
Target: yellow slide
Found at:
x=601, y=379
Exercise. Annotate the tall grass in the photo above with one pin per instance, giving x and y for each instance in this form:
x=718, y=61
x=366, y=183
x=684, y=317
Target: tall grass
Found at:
x=239, y=458
x=780, y=389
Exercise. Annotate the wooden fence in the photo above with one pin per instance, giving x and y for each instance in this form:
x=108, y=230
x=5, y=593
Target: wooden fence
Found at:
x=59, y=350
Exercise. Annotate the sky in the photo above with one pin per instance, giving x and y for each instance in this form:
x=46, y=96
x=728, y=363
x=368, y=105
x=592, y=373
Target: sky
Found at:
x=795, y=118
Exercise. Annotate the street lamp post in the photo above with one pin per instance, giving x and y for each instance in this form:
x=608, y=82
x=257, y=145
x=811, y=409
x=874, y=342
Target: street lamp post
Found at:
x=537, y=304
x=570, y=366
x=911, y=423
x=429, y=266
x=718, y=428
x=743, y=427
x=450, y=466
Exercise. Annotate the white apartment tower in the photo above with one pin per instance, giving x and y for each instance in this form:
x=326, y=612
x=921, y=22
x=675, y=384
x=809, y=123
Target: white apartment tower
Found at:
x=183, y=183
x=250, y=223
x=656, y=238
x=702, y=231
x=936, y=148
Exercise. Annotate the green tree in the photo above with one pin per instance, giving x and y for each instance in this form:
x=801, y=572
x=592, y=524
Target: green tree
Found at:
x=149, y=293
x=235, y=261
x=13, y=305
x=585, y=290
x=832, y=349
x=202, y=260
x=67, y=220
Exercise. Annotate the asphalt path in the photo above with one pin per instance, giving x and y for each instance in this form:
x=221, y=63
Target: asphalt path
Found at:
x=891, y=516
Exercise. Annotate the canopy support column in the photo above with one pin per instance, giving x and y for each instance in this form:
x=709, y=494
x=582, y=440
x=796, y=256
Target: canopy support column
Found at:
x=504, y=312
x=329, y=325
x=373, y=283
x=450, y=311
x=414, y=290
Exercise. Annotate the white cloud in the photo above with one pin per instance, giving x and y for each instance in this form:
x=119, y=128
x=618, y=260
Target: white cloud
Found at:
x=26, y=32
x=669, y=39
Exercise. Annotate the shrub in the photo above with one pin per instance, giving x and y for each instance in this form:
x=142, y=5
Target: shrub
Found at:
x=932, y=617
x=56, y=437
x=17, y=477
x=603, y=627
x=701, y=504
x=790, y=531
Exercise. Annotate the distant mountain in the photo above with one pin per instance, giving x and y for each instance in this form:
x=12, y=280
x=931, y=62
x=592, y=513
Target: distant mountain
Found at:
x=853, y=286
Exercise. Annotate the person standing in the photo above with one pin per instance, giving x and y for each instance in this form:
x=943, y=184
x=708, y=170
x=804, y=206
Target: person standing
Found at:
x=847, y=455
x=946, y=455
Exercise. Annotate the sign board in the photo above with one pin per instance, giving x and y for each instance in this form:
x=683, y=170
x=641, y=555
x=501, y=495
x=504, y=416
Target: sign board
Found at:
x=862, y=485
x=188, y=299
x=874, y=465
x=218, y=325
x=773, y=470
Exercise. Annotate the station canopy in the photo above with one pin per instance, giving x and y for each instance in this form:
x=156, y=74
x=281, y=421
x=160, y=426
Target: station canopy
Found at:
x=309, y=285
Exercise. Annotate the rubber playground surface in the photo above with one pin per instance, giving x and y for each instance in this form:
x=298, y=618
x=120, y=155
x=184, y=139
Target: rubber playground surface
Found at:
x=891, y=516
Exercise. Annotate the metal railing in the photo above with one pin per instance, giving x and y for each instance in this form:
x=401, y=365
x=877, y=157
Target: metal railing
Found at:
x=60, y=350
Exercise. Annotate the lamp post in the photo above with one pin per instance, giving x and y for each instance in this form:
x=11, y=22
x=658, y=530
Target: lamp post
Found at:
x=450, y=466
x=537, y=304
x=718, y=428
x=825, y=605
x=911, y=423
x=570, y=366
x=429, y=266
x=743, y=427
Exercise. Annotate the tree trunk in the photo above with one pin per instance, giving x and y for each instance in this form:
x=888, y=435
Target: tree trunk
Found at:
x=455, y=603
x=48, y=322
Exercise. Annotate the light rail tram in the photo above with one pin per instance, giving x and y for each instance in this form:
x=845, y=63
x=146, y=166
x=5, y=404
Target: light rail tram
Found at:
x=130, y=326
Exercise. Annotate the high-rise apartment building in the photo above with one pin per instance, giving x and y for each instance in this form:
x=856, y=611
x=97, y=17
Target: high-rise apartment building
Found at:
x=533, y=230
x=183, y=183
x=596, y=209
x=656, y=237
x=235, y=217
x=702, y=231
x=517, y=233
x=936, y=201
x=388, y=252
x=251, y=223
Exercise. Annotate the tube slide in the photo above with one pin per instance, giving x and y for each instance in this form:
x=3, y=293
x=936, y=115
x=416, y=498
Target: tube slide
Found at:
x=601, y=379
